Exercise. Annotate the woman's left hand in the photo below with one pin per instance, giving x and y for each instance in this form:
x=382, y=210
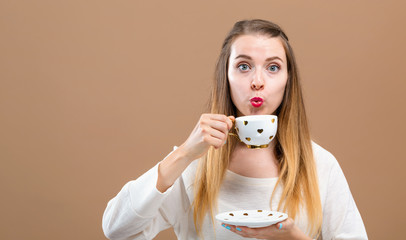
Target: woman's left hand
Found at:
x=282, y=230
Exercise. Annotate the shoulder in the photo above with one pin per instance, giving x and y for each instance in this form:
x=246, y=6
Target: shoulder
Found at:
x=324, y=159
x=328, y=169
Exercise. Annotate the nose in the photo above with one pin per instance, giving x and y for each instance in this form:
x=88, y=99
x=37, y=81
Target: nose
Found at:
x=257, y=82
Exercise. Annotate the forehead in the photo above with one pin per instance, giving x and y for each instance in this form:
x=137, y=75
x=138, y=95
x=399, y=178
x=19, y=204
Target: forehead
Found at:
x=258, y=47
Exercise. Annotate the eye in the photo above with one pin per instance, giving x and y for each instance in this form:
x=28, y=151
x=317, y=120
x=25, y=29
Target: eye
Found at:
x=273, y=68
x=244, y=67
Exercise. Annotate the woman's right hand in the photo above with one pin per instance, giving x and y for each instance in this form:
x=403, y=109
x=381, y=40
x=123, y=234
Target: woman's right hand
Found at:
x=211, y=130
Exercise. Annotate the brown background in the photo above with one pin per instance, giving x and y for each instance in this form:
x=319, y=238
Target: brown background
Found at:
x=94, y=93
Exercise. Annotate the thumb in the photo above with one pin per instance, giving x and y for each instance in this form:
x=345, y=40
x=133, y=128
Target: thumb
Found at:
x=232, y=119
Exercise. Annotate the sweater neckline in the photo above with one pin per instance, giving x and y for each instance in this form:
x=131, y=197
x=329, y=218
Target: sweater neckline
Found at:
x=240, y=179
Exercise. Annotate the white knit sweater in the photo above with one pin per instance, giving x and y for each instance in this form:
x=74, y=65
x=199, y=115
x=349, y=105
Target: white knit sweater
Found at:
x=140, y=211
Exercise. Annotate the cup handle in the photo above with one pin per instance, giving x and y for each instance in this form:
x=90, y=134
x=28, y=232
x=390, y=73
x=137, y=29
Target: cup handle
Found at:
x=233, y=134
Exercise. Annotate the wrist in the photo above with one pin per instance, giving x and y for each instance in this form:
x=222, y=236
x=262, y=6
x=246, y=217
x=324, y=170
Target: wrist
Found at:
x=171, y=168
x=183, y=153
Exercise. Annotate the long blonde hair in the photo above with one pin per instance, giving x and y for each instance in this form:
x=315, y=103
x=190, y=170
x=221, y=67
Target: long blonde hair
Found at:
x=297, y=170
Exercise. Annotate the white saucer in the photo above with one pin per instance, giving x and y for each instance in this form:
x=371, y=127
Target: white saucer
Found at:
x=251, y=218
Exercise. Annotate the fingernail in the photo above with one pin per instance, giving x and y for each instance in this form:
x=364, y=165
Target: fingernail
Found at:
x=280, y=226
x=223, y=225
x=228, y=227
x=238, y=229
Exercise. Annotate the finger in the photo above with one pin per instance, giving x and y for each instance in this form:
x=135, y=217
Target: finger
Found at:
x=232, y=118
x=218, y=117
x=285, y=224
x=249, y=231
x=235, y=229
x=230, y=227
x=215, y=133
x=238, y=230
x=246, y=231
x=223, y=118
x=230, y=121
x=253, y=232
x=219, y=125
x=212, y=141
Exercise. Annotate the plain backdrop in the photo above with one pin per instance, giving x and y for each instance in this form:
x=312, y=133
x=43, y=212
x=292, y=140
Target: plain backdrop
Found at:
x=94, y=93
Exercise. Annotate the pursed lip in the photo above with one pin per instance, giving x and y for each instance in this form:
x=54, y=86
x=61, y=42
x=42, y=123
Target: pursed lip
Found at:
x=256, y=99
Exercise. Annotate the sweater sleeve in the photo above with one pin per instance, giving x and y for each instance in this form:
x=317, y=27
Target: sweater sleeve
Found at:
x=341, y=218
x=140, y=211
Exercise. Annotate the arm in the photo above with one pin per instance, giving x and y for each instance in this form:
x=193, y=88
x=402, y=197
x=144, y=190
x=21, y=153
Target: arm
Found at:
x=137, y=211
x=341, y=218
x=211, y=130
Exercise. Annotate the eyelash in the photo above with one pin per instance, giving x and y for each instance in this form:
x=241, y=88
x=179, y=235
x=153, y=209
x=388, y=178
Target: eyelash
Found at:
x=242, y=64
x=275, y=66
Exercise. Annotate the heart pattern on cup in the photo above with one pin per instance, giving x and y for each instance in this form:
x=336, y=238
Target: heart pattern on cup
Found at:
x=259, y=133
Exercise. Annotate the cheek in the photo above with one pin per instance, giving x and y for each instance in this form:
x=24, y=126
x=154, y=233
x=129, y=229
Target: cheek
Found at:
x=280, y=88
x=280, y=84
x=235, y=92
x=276, y=91
x=234, y=85
x=238, y=89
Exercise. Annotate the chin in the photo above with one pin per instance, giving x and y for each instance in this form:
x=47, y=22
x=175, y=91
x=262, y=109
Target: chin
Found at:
x=253, y=112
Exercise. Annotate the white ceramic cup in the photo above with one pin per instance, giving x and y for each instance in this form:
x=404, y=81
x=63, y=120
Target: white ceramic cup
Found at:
x=256, y=131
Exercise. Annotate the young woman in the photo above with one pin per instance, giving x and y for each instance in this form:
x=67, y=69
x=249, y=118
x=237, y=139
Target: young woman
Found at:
x=256, y=74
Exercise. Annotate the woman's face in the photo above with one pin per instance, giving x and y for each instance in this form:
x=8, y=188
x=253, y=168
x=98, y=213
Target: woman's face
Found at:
x=257, y=74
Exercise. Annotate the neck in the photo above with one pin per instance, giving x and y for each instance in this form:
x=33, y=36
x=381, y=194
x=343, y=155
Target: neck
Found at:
x=259, y=163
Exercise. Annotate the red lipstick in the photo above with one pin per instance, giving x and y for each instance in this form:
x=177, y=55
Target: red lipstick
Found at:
x=256, y=101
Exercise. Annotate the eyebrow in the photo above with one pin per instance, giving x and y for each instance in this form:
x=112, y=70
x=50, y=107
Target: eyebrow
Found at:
x=250, y=58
